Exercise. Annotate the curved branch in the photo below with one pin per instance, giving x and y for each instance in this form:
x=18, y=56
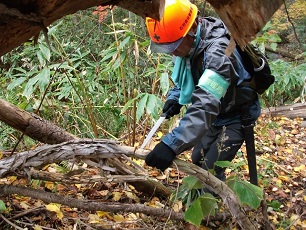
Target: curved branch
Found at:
x=99, y=149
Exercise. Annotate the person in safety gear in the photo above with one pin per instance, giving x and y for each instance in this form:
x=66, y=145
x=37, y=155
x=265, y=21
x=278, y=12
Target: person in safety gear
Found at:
x=208, y=81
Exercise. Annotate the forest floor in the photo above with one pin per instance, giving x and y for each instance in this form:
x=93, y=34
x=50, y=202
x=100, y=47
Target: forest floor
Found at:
x=280, y=145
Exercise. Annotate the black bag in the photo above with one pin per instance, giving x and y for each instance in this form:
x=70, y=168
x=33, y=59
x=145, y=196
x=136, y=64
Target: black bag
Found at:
x=257, y=65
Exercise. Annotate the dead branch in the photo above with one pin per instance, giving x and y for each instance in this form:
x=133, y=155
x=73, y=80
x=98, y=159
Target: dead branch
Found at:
x=284, y=53
x=88, y=205
x=103, y=149
x=291, y=111
x=83, y=179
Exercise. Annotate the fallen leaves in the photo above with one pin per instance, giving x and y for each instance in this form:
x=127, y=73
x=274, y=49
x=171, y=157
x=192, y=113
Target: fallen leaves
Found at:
x=281, y=168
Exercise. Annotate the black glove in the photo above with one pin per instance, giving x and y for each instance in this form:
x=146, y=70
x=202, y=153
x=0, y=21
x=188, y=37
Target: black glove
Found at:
x=161, y=156
x=171, y=108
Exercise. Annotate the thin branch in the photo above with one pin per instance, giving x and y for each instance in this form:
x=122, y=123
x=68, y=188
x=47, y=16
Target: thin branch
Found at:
x=290, y=21
x=11, y=223
x=88, y=205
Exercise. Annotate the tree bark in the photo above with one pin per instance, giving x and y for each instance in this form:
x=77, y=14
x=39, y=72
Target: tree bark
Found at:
x=83, y=204
x=290, y=111
x=32, y=125
x=284, y=53
x=22, y=20
x=245, y=19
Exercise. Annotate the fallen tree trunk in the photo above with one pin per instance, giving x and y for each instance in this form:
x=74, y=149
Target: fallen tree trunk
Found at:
x=104, y=149
x=32, y=125
x=290, y=111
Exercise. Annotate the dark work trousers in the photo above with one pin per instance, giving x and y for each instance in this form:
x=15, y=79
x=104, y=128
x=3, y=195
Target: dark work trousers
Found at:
x=211, y=149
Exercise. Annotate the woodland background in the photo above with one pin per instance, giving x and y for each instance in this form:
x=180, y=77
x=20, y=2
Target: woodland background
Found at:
x=96, y=78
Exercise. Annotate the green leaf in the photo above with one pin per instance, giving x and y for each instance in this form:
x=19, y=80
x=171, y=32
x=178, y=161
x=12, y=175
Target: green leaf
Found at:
x=274, y=204
x=273, y=46
x=124, y=42
x=194, y=213
x=44, y=78
x=141, y=106
x=164, y=83
x=2, y=206
x=153, y=105
x=208, y=204
x=45, y=51
x=15, y=83
x=202, y=207
x=224, y=164
x=29, y=88
x=192, y=182
x=247, y=193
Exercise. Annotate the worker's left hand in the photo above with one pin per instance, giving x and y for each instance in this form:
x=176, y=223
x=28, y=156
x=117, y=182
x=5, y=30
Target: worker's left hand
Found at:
x=161, y=156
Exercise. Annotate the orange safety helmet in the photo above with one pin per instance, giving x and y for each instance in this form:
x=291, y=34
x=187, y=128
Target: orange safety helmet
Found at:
x=167, y=34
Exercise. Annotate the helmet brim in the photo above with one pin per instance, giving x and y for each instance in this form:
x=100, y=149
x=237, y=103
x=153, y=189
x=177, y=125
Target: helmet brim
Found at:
x=165, y=47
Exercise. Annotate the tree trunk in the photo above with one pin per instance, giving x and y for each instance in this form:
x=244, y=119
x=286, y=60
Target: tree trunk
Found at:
x=245, y=19
x=290, y=111
x=32, y=125
x=21, y=20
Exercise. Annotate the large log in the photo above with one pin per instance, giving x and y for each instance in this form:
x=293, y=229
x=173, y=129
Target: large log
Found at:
x=297, y=110
x=245, y=18
x=21, y=20
x=32, y=125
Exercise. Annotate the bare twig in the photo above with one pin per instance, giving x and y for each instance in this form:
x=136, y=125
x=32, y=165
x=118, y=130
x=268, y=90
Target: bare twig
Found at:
x=11, y=223
x=292, y=24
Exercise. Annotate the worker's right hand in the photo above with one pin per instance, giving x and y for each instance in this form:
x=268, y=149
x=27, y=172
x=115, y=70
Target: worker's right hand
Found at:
x=161, y=156
x=171, y=108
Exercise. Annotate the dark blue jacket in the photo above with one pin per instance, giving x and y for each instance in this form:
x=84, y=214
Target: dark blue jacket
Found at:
x=206, y=109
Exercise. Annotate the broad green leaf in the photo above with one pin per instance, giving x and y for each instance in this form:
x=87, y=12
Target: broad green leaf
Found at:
x=44, y=78
x=202, y=207
x=164, y=83
x=224, y=164
x=192, y=182
x=124, y=42
x=208, y=204
x=274, y=204
x=127, y=105
x=273, y=46
x=194, y=213
x=247, y=193
x=181, y=194
x=29, y=88
x=141, y=106
x=2, y=206
x=152, y=105
x=40, y=57
x=15, y=83
x=45, y=51
x=108, y=54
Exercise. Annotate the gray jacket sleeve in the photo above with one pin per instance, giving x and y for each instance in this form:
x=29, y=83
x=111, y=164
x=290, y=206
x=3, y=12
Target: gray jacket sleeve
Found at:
x=205, y=106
